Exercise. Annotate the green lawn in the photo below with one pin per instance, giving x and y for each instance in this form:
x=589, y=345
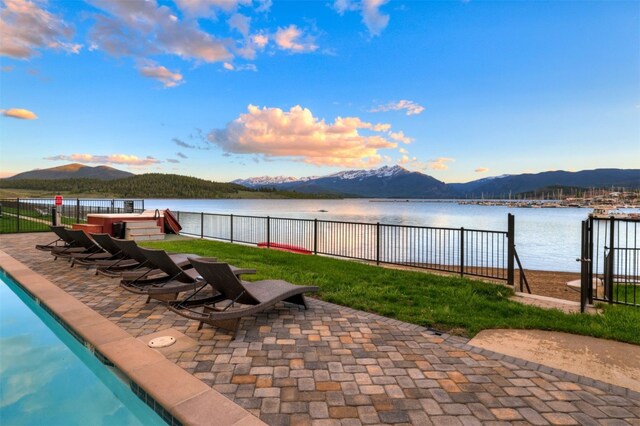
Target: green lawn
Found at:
x=626, y=293
x=9, y=224
x=451, y=304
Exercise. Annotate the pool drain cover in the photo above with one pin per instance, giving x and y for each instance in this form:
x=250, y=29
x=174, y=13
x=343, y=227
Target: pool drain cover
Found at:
x=162, y=342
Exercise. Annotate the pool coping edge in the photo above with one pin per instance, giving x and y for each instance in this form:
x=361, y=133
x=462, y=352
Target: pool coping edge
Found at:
x=195, y=403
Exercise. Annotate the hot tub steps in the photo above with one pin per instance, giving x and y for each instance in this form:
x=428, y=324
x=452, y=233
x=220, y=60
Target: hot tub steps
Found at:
x=143, y=230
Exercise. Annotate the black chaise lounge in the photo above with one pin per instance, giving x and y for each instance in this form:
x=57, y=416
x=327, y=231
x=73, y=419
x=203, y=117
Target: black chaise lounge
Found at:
x=63, y=241
x=251, y=297
x=80, y=243
x=144, y=272
x=177, y=278
x=111, y=255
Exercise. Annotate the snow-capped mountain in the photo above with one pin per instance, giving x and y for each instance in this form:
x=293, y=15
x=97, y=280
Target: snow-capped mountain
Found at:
x=382, y=172
x=392, y=182
x=256, y=182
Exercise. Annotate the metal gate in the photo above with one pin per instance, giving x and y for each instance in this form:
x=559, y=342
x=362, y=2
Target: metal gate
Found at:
x=610, y=261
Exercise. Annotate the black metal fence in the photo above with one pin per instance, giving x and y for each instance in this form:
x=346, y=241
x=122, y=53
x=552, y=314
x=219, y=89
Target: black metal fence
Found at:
x=462, y=251
x=610, y=261
x=36, y=214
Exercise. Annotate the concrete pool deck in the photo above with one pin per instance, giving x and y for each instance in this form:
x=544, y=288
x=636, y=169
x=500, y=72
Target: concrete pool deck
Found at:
x=332, y=365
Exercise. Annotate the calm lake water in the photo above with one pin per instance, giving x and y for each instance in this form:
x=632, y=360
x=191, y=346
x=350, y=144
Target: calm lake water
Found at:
x=546, y=239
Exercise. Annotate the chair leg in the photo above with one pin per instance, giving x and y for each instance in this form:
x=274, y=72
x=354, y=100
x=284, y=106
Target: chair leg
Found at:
x=165, y=297
x=231, y=325
x=298, y=299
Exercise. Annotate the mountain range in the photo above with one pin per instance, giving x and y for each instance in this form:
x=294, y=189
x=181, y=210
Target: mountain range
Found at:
x=74, y=171
x=385, y=182
x=398, y=182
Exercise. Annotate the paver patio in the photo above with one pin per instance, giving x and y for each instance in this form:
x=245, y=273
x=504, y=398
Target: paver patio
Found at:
x=332, y=365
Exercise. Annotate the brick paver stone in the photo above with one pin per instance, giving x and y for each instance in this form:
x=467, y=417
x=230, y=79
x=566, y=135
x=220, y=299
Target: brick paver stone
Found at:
x=331, y=365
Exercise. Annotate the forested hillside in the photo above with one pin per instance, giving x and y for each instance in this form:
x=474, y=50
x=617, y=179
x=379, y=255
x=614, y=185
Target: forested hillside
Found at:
x=151, y=185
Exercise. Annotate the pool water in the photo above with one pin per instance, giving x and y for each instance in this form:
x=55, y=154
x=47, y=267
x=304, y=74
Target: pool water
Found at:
x=49, y=378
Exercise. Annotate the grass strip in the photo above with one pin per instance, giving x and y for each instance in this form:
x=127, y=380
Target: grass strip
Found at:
x=456, y=305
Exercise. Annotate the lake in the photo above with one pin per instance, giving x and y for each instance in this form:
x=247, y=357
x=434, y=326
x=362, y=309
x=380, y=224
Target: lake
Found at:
x=546, y=239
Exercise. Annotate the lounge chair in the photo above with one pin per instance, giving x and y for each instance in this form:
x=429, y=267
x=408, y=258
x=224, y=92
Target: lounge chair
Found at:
x=178, y=279
x=63, y=238
x=80, y=243
x=144, y=271
x=254, y=297
x=111, y=256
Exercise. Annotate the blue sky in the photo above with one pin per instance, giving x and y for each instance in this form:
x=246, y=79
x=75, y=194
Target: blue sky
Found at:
x=226, y=89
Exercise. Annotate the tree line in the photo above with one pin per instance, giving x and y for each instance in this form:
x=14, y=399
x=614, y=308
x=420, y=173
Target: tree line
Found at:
x=150, y=185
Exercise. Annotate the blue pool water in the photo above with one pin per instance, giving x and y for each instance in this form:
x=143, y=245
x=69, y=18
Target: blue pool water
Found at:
x=48, y=378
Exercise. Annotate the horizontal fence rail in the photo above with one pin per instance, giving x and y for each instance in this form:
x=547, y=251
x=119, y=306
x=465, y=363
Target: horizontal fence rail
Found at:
x=462, y=251
x=36, y=214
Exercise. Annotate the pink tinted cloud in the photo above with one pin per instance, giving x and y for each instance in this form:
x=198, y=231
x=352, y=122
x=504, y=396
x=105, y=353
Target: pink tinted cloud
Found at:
x=162, y=74
x=143, y=28
x=25, y=27
x=294, y=40
x=410, y=107
x=299, y=136
x=23, y=114
x=122, y=159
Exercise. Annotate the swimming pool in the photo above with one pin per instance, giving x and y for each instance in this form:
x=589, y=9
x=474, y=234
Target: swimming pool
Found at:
x=47, y=377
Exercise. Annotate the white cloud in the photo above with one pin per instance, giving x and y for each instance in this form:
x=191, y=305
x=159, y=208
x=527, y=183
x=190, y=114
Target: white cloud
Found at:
x=400, y=137
x=342, y=6
x=481, y=170
x=240, y=23
x=23, y=114
x=208, y=8
x=228, y=66
x=372, y=17
x=143, y=28
x=439, y=163
x=162, y=74
x=26, y=27
x=414, y=163
x=299, y=136
x=412, y=108
x=293, y=40
x=263, y=6
x=260, y=40
x=130, y=160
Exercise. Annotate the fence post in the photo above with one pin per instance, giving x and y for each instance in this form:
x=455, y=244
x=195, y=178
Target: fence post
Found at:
x=377, y=243
x=612, y=242
x=77, y=210
x=511, y=249
x=17, y=214
x=113, y=205
x=461, y=252
x=268, y=232
x=231, y=230
x=585, y=261
x=591, y=262
x=315, y=236
x=201, y=224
